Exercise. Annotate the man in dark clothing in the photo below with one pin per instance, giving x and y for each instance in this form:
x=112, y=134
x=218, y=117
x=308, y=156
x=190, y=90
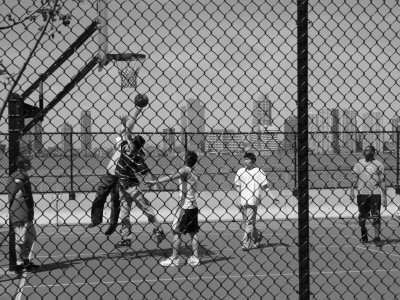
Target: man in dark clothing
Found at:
x=108, y=182
x=22, y=214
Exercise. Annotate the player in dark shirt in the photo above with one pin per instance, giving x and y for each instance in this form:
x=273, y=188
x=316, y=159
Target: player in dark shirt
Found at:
x=131, y=165
x=22, y=214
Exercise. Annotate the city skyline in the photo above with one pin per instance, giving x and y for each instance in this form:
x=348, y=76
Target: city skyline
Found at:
x=352, y=71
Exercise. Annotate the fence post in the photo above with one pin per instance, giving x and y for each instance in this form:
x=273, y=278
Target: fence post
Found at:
x=302, y=152
x=397, y=188
x=16, y=123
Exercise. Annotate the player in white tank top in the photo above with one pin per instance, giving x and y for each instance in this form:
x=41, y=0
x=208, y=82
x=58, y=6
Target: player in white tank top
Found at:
x=186, y=212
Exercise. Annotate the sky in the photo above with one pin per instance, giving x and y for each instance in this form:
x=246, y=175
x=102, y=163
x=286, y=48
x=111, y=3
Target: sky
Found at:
x=225, y=53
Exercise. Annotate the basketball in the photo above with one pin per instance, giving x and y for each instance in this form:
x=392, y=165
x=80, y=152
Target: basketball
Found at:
x=141, y=100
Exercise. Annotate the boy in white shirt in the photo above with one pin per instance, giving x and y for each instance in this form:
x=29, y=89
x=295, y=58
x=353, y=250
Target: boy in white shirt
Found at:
x=249, y=183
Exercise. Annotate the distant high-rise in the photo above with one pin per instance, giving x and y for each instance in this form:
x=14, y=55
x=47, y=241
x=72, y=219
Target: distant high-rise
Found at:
x=38, y=137
x=329, y=126
x=290, y=128
x=169, y=139
x=372, y=130
x=349, y=131
x=193, y=123
x=262, y=112
x=86, y=130
x=66, y=130
x=314, y=138
x=32, y=141
x=395, y=128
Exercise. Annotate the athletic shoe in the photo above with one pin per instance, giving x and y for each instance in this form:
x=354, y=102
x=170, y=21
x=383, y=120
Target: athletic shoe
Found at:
x=377, y=241
x=160, y=235
x=193, y=261
x=170, y=262
x=19, y=268
x=257, y=242
x=245, y=249
x=30, y=266
x=364, y=238
x=110, y=230
x=123, y=243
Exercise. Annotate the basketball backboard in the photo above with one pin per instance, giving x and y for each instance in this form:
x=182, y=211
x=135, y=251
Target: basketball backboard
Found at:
x=102, y=35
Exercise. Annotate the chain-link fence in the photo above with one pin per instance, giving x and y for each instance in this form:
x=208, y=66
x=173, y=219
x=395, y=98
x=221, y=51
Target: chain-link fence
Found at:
x=306, y=86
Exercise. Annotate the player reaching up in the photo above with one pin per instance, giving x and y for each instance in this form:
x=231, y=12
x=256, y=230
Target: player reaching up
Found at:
x=130, y=164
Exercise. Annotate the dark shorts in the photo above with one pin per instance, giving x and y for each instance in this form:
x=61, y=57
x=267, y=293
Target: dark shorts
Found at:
x=369, y=206
x=186, y=221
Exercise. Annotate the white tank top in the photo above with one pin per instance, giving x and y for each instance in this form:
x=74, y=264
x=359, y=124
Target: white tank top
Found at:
x=187, y=189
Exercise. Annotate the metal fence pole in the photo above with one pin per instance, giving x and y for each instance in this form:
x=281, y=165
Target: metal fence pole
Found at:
x=397, y=189
x=302, y=111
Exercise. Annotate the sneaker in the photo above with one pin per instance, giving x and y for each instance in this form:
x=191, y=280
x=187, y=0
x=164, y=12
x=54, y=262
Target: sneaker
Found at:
x=377, y=241
x=170, y=261
x=245, y=249
x=111, y=229
x=364, y=239
x=160, y=235
x=193, y=261
x=20, y=268
x=30, y=266
x=257, y=242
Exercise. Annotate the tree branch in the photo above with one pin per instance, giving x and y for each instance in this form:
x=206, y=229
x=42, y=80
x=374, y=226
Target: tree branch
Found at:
x=28, y=59
x=28, y=17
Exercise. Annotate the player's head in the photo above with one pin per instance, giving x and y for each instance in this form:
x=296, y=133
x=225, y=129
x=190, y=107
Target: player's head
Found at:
x=250, y=156
x=137, y=143
x=191, y=158
x=369, y=152
x=22, y=163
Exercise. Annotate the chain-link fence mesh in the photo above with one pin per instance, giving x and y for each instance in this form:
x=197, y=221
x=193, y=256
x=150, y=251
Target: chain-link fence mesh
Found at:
x=222, y=79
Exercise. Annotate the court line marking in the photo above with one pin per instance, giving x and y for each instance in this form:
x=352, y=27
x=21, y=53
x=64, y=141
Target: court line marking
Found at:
x=210, y=277
x=95, y=254
x=377, y=251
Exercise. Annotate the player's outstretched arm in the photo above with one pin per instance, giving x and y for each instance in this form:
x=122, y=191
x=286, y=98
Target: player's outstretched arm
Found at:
x=131, y=121
x=182, y=173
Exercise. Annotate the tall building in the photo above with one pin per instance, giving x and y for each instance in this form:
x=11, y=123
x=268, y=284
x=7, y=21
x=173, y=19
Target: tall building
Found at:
x=38, y=137
x=328, y=125
x=349, y=131
x=86, y=131
x=290, y=129
x=66, y=130
x=169, y=139
x=395, y=128
x=262, y=112
x=372, y=130
x=193, y=123
x=32, y=142
x=314, y=137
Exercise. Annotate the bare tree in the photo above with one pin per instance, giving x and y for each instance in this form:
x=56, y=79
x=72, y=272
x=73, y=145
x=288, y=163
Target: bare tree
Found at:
x=50, y=14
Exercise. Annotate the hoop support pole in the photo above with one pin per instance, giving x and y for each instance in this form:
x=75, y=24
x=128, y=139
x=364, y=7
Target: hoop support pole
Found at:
x=64, y=56
x=78, y=77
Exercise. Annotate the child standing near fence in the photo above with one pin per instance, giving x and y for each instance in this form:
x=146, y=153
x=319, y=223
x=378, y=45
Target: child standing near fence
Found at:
x=249, y=182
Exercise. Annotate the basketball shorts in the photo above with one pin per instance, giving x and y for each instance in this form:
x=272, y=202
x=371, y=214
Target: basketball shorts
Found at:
x=369, y=206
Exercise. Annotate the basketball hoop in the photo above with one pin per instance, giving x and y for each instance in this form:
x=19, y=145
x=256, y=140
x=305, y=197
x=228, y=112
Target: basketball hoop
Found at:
x=128, y=65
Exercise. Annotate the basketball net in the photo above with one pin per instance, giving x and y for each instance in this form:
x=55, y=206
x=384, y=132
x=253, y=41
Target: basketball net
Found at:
x=128, y=71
